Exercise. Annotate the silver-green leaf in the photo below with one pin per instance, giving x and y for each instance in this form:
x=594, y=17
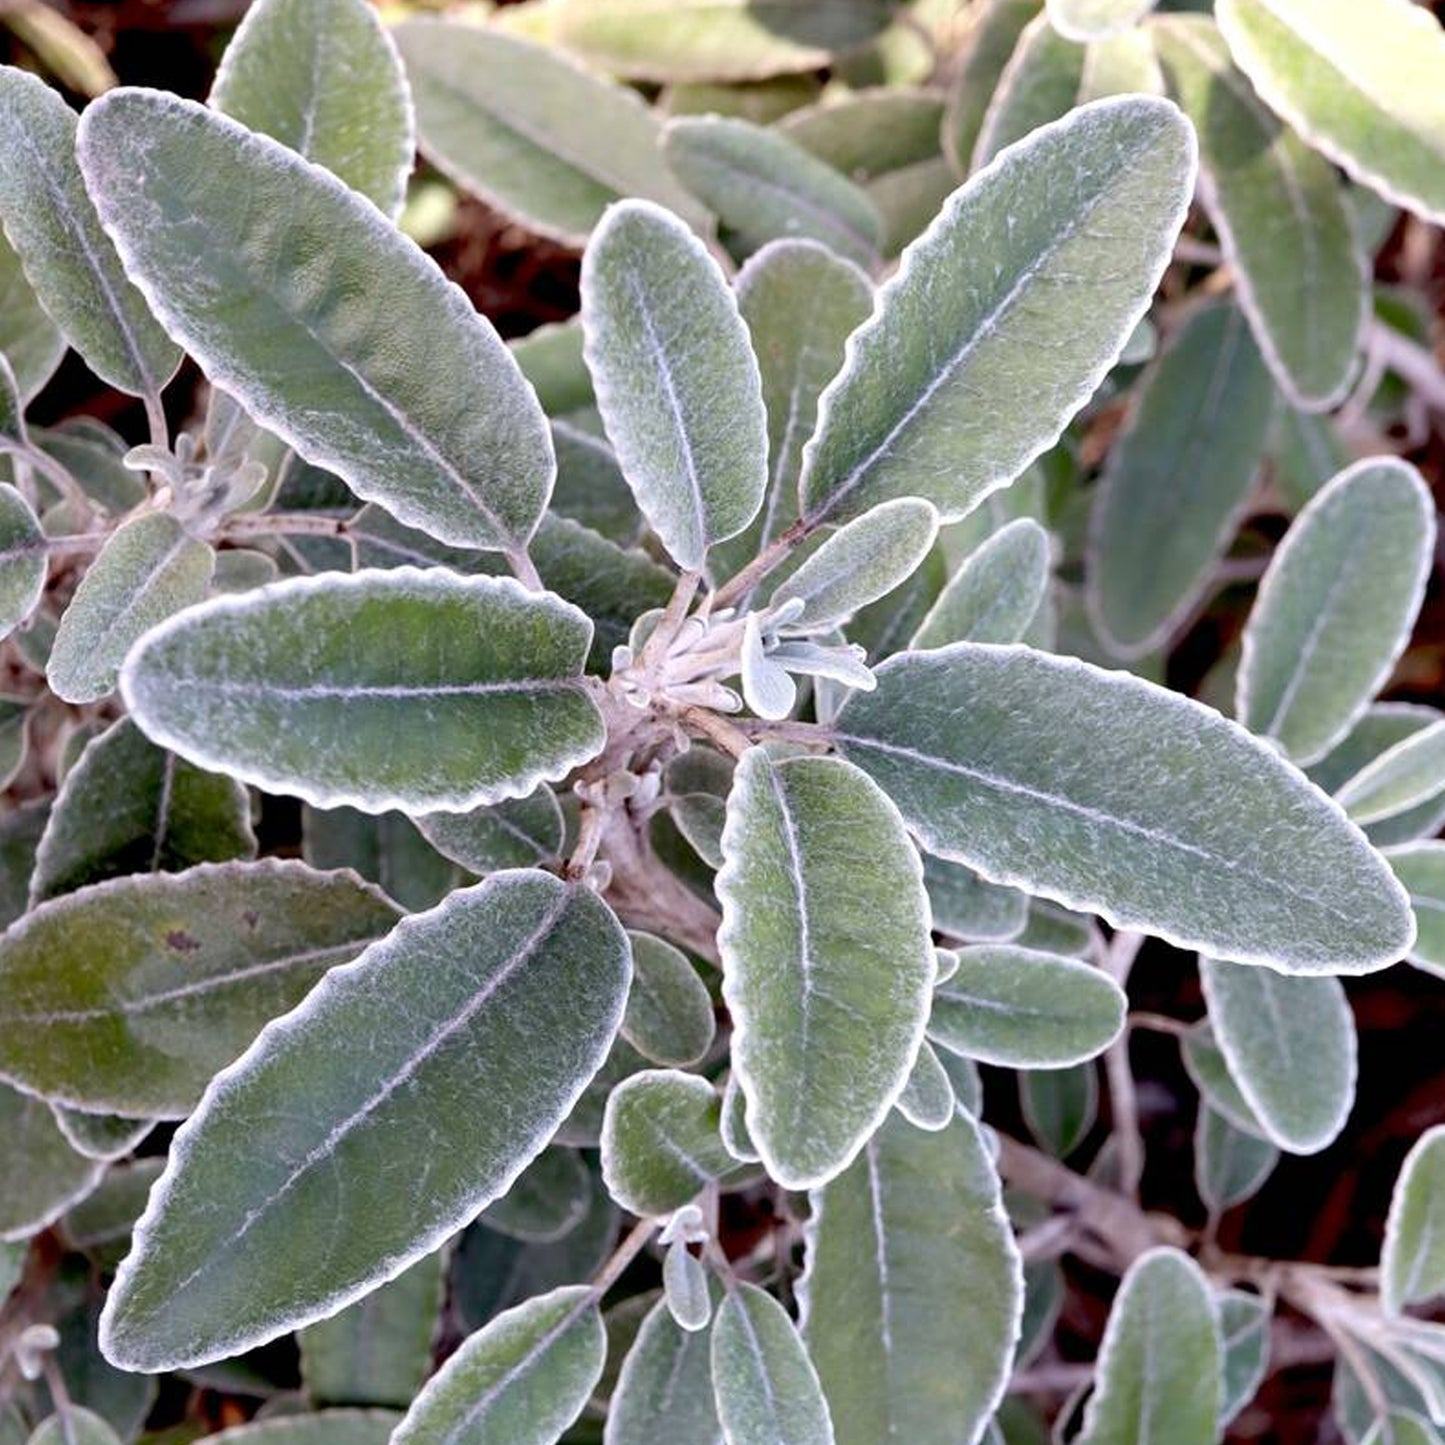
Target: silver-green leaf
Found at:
x=1403, y=777
x=669, y=1016
x=1421, y=868
x=23, y=559
x=995, y=594
x=53, y=1177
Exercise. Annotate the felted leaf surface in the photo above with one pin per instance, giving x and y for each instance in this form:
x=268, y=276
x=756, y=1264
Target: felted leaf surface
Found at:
x=329, y=326
x=1060, y=1106
x=323, y=77
x=68, y=259
x=127, y=996
x=991, y=43
x=664, y=1393
x=1290, y=1045
x=1022, y=1009
x=1361, y=83
x=676, y=380
x=326, y=1427
x=1336, y=607
x=1412, y=1264
x=1177, y=481
x=101, y=1136
x=1230, y=1166
x=149, y=569
x=685, y=1287
x=1244, y=1321
x=1209, y=1070
x=532, y=132
x=1281, y=216
x=127, y=806
x=767, y=1390
x=78, y=1426
x=913, y=1288
x=520, y=1381
x=23, y=560
x=765, y=187
x=1116, y=797
x=385, y=848
x=1421, y=868
x=927, y=1100
x=268, y=1219
x=827, y=959
x=1160, y=1362
x=519, y=833
x=29, y=340
x=547, y=1201
x=54, y=1175
x=1403, y=777
x=1089, y=19
x=669, y=1016
x=1079, y=220
x=967, y=906
x=320, y=685
x=995, y=594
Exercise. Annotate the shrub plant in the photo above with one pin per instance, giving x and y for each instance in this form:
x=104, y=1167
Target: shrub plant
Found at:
x=720, y=723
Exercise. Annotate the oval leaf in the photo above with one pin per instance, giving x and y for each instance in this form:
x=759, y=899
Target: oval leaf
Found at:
x=326, y=1427
x=127, y=996
x=1336, y=607
x=927, y=1100
x=520, y=1381
x=54, y=1177
x=676, y=380
x=1412, y=1264
x=669, y=1016
x=520, y=833
x=664, y=1392
x=304, y=687
x=1290, y=1046
x=995, y=595
x=1230, y=1166
x=1421, y=868
x=1116, y=797
x=827, y=959
x=1244, y=1330
x=266, y=1219
x=966, y=906
x=1401, y=778
x=1089, y=19
x=23, y=560
x=1083, y=213
x=1026, y=1010
x=29, y=340
x=364, y=358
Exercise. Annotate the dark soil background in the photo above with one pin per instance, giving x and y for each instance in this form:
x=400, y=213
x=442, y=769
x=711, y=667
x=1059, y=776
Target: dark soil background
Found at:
x=1329, y=1208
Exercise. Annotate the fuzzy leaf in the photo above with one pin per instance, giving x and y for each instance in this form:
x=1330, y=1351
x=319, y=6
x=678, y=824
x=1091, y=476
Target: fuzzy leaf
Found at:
x=860, y=563
x=765, y=187
x=76, y=1426
x=1336, y=606
x=1084, y=214
x=685, y=1286
x=992, y=41
x=1403, y=777
x=127, y=996
x=995, y=595
x=1290, y=1046
x=1281, y=217
x=29, y=340
x=520, y=833
x=1178, y=481
x=660, y=1142
x=23, y=560
x=927, y=1100
x=127, y=806
x=1114, y=796
x=1244, y=1321
x=1089, y=19
x=1421, y=868
x=1230, y=1166
x=549, y=1199
x=1026, y=1010
x=1160, y=1362
x=664, y=1393
x=306, y=686
x=101, y=1136
x=149, y=569
x=520, y=1381
x=767, y=1390
x=323, y=77
x=267, y=1219
x=969, y=907
x=1060, y=1106
x=68, y=260
x=365, y=359
x=385, y=848
x=325, y=1427
x=676, y=379
x=1209, y=1071
x=913, y=1288
x=669, y=1016
x=827, y=959
x=1362, y=83
x=532, y=132
x=1412, y=1264
x=54, y=1175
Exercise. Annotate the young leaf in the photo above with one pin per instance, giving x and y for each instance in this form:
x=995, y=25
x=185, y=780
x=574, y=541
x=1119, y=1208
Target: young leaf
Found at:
x=1361, y=83
x=23, y=560
x=767, y=1390
x=1207, y=1068
x=1178, y=481
x=128, y=806
x=685, y=1284
x=1401, y=778
x=323, y=77
x=669, y=1016
x=1083, y=212
x=715, y=40
x=377, y=1351
x=520, y=1381
x=660, y=1142
x=267, y=1219
x=29, y=340
x=992, y=41
x=101, y=1136
x=860, y=563
x=127, y=996
x=1230, y=1166
x=1090, y=19
x=532, y=132
x=305, y=686
x=1160, y=1363
x=800, y=303
x=1421, y=868
x=765, y=187
x=1280, y=215
x=364, y=358
x=1290, y=1045
x=1244, y=1334
x=68, y=260
x=1060, y=1106
x=911, y=1321
x=733, y=1124
x=520, y=833
x=1336, y=607
x=676, y=379
x=1412, y=1264
x=664, y=1393
x=54, y=1175
x=1025, y=1010
x=827, y=959
x=1116, y=797
x=927, y=1100
x=995, y=595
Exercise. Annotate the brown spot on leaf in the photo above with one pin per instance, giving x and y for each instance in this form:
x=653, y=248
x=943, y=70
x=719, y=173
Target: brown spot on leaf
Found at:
x=182, y=941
